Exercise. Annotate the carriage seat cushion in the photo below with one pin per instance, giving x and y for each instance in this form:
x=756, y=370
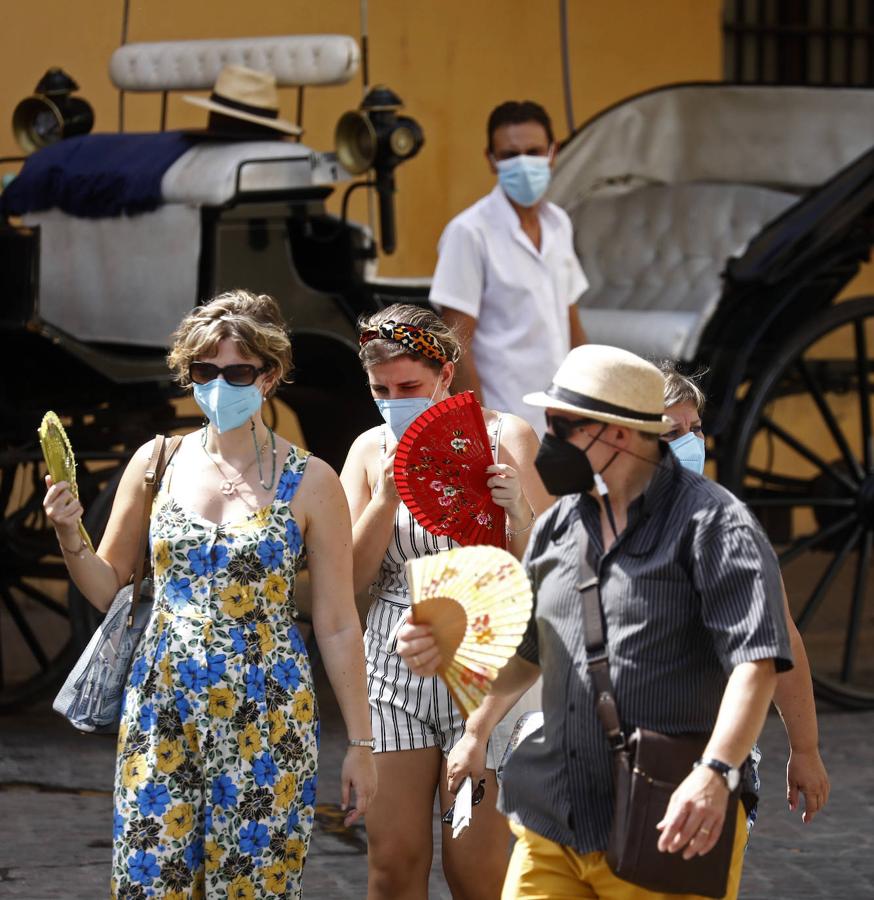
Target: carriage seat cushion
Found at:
x=212, y=173
x=654, y=258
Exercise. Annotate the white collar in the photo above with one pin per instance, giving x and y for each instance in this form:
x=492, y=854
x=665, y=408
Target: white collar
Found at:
x=501, y=208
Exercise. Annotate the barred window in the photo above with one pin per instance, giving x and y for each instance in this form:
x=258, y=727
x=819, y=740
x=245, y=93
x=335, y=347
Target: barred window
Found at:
x=812, y=42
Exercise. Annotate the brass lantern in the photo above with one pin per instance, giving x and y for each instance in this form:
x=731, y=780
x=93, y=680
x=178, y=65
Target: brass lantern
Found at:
x=51, y=114
x=375, y=137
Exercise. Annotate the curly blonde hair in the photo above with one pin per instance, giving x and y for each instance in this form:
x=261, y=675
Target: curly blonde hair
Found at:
x=252, y=321
x=381, y=350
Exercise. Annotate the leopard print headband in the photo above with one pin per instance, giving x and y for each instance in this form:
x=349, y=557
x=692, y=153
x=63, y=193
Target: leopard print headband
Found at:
x=410, y=337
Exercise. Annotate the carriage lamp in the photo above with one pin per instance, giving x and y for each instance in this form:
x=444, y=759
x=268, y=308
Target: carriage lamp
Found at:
x=375, y=137
x=50, y=113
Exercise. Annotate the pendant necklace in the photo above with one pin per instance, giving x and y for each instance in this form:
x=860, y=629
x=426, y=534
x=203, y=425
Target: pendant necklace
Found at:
x=229, y=486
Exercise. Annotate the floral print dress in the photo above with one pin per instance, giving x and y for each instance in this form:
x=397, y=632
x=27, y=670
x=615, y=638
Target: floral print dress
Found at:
x=216, y=775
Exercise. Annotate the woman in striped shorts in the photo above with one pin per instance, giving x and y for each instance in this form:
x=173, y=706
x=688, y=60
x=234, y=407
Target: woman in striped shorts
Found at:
x=409, y=354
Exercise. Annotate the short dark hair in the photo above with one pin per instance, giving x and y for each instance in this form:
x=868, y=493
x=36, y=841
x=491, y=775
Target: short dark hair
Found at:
x=515, y=112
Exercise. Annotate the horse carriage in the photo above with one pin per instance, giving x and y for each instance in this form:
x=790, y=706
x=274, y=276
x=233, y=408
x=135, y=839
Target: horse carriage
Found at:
x=718, y=226
x=88, y=305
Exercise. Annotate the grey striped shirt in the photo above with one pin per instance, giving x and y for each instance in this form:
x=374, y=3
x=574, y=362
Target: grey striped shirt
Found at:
x=690, y=589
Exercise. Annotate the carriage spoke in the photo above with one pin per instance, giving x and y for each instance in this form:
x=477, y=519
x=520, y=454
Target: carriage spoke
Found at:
x=43, y=599
x=824, y=583
x=829, y=418
x=794, y=500
x=808, y=454
x=852, y=642
x=864, y=390
x=785, y=481
x=25, y=629
x=812, y=540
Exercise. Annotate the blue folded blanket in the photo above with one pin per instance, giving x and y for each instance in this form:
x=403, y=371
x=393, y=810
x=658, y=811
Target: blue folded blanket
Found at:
x=96, y=175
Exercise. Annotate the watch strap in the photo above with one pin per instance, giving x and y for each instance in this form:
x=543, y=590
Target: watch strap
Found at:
x=724, y=769
x=362, y=742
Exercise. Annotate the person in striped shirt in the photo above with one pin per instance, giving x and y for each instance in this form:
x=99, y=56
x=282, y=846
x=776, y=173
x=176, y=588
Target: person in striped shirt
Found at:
x=696, y=633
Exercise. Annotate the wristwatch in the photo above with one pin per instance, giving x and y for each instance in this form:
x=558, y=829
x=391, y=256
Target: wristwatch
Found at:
x=729, y=773
x=363, y=742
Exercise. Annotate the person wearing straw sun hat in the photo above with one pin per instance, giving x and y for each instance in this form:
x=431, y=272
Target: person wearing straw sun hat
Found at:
x=695, y=633
x=244, y=104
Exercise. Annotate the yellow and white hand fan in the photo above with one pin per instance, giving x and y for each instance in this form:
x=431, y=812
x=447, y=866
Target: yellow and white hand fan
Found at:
x=60, y=461
x=477, y=601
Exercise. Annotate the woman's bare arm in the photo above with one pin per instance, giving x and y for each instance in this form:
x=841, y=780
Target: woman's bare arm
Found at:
x=372, y=516
x=99, y=575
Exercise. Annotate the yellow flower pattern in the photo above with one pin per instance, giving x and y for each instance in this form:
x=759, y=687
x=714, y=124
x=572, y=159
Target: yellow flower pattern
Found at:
x=179, y=819
x=217, y=743
x=303, y=706
x=237, y=600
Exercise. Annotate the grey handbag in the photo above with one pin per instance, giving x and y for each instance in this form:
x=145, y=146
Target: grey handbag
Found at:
x=91, y=696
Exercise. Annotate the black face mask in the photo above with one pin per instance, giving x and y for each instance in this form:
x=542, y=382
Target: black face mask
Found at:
x=563, y=467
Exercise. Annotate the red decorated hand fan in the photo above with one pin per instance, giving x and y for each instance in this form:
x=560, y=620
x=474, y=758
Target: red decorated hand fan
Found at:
x=440, y=473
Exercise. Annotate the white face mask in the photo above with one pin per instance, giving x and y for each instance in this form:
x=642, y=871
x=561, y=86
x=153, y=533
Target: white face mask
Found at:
x=400, y=413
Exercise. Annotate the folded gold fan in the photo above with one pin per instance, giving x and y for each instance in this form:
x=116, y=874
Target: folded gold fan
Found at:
x=59, y=458
x=477, y=601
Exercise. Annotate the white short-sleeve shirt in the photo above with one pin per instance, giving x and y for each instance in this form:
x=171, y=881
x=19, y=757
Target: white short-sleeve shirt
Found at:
x=488, y=268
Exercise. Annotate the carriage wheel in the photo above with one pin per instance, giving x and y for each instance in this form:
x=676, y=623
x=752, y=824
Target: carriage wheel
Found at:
x=40, y=632
x=803, y=459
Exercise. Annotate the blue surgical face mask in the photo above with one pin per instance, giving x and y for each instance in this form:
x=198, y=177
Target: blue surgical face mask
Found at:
x=227, y=406
x=524, y=179
x=689, y=450
x=399, y=414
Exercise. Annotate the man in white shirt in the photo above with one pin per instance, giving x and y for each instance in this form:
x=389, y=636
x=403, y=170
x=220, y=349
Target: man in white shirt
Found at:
x=508, y=278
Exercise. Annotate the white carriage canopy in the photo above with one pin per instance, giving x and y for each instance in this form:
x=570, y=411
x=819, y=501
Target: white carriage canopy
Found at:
x=664, y=188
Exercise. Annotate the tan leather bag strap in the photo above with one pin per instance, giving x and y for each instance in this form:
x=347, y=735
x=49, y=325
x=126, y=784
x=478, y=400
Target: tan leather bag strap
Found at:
x=161, y=455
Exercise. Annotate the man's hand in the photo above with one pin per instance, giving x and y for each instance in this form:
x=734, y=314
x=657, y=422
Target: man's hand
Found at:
x=696, y=814
x=467, y=757
x=806, y=774
x=418, y=649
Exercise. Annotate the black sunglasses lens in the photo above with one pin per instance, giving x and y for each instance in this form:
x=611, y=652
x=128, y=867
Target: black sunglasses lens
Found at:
x=203, y=373
x=559, y=426
x=476, y=798
x=241, y=375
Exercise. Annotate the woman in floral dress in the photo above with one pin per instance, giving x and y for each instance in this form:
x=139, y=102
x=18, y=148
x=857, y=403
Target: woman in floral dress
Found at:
x=408, y=354
x=217, y=753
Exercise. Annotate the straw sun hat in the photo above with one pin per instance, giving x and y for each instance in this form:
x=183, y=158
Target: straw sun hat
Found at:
x=246, y=95
x=609, y=385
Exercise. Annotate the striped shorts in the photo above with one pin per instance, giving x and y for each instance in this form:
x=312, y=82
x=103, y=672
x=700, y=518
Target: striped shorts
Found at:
x=406, y=712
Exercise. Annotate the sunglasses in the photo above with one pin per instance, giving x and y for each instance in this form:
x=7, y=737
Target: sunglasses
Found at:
x=238, y=374
x=476, y=798
x=563, y=427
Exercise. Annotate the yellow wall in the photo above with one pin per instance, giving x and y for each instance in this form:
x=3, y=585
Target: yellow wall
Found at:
x=451, y=61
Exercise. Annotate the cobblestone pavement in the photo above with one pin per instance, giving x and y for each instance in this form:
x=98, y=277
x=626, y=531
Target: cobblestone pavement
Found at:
x=55, y=813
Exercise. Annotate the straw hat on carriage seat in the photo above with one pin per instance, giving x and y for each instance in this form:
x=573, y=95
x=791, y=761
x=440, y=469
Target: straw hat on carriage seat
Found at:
x=609, y=385
x=244, y=103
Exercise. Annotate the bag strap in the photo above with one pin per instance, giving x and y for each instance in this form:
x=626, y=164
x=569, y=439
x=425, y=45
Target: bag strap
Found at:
x=597, y=659
x=162, y=452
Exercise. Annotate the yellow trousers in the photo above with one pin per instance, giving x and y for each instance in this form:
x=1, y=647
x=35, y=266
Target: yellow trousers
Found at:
x=540, y=869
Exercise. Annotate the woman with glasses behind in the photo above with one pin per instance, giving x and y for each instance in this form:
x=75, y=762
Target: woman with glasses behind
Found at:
x=217, y=751
x=805, y=773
